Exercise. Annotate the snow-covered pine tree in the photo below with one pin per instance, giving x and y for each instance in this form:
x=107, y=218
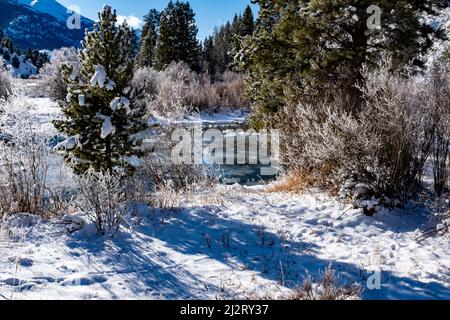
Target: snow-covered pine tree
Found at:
x=102, y=114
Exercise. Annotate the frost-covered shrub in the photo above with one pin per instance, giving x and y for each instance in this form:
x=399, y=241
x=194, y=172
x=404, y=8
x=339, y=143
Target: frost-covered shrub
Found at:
x=23, y=176
x=173, y=91
x=177, y=91
x=146, y=79
x=27, y=184
x=24, y=173
x=6, y=86
x=227, y=92
x=53, y=83
x=380, y=150
x=100, y=197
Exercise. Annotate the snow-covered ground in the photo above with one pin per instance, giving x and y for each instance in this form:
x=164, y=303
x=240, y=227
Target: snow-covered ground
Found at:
x=255, y=244
x=233, y=242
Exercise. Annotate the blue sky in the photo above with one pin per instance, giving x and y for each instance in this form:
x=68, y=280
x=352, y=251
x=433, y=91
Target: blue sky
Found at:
x=209, y=13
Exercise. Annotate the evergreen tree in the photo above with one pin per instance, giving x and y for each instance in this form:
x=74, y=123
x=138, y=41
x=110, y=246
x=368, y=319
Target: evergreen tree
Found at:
x=209, y=60
x=149, y=39
x=178, y=37
x=28, y=54
x=15, y=62
x=236, y=29
x=247, y=23
x=328, y=42
x=223, y=44
x=102, y=118
x=8, y=44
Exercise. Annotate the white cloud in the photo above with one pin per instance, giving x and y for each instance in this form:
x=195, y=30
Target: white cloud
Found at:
x=132, y=21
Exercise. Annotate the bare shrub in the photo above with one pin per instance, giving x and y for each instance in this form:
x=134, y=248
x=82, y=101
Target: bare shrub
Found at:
x=178, y=91
x=53, y=84
x=439, y=101
x=32, y=179
x=172, y=99
x=330, y=287
x=101, y=197
x=384, y=144
x=6, y=84
x=168, y=184
x=24, y=173
x=227, y=93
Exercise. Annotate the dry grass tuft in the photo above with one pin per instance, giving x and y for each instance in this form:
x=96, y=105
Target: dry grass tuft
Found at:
x=330, y=287
x=295, y=181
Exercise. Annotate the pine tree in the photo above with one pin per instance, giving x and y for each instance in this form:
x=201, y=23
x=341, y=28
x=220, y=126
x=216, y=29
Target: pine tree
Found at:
x=223, y=44
x=102, y=117
x=8, y=44
x=178, y=37
x=328, y=42
x=236, y=29
x=28, y=54
x=149, y=39
x=15, y=62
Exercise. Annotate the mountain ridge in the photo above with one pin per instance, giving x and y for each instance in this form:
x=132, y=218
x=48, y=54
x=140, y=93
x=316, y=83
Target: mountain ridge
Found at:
x=29, y=26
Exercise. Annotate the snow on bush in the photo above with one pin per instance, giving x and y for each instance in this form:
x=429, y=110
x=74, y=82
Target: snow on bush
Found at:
x=6, y=86
x=53, y=84
x=17, y=65
x=101, y=198
x=67, y=144
x=120, y=103
x=99, y=77
x=379, y=150
x=25, y=161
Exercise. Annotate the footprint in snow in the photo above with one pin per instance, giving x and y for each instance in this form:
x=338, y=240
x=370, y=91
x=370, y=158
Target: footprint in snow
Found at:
x=85, y=281
x=23, y=262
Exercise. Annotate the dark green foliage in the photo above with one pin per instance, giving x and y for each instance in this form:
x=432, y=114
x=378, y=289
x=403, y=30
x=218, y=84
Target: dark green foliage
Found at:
x=8, y=44
x=223, y=44
x=177, y=37
x=220, y=48
x=37, y=58
x=149, y=38
x=107, y=47
x=247, y=23
x=315, y=43
x=15, y=62
x=208, y=56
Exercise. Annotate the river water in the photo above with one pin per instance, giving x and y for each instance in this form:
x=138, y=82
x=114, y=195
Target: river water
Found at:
x=251, y=169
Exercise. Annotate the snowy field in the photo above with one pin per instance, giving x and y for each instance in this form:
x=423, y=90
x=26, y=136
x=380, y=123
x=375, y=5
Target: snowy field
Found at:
x=243, y=243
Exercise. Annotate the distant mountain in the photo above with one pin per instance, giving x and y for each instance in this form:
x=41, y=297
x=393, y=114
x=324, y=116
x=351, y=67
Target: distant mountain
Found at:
x=50, y=7
x=39, y=24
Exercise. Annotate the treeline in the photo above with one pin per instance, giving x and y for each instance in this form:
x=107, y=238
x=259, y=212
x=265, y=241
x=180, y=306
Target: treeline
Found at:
x=171, y=36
